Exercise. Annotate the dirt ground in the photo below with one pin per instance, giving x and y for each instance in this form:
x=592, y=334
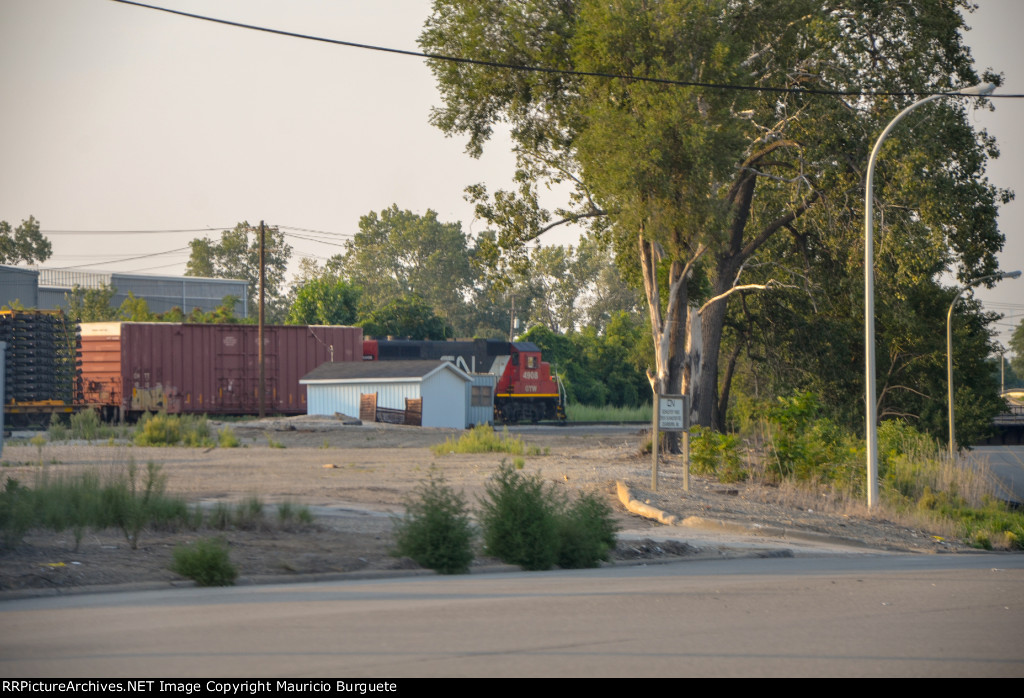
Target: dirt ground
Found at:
x=356, y=478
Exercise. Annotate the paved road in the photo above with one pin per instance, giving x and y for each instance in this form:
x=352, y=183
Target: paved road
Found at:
x=935, y=615
x=1007, y=463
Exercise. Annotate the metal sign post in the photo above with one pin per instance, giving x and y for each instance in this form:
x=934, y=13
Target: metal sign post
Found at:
x=670, y=414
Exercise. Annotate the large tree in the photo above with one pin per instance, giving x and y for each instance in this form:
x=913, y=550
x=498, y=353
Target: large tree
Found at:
x=325, y=300
x=237, y=256
x=398, y=253
x=695, y=184
x=24, y=243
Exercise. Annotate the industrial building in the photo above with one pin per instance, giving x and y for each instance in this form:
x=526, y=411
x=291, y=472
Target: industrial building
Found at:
x=47, y=289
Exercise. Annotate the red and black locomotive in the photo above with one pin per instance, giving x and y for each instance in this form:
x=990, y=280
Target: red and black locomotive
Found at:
x=525, y=390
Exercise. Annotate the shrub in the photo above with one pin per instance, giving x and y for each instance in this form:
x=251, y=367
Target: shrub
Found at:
x=519, y=519
x=158, y=430
x=227, y=438
x=167, y=430
x=86, y=425
x=195, y=431
x=206, y=561
x=586, y=532
x=436, y=530
x=57, y=430
x=716, y=454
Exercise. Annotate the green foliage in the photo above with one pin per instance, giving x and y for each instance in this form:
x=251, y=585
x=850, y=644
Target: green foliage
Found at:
x=526, y=522
x=1017, y=347
x=290, y=514
x=226, y=438
x=809, y=448
x=397, y=256
x=57, y=431
x=24, y=244
x=600, y=368
x=483, y=439
x=716, y=454
x=124, y=499
x=90, y=305
x=325, y=300
x=248, y=514
x=86, y=424
x=576, y=412
x=158, y=430
x=406, y=316
x=17, y=512
x=236, y=256
x=130, y=505
x=161, y=429
x=586, y=532
x=206, y=561
x=519, y=519
x=733, y=181
x=436, y=530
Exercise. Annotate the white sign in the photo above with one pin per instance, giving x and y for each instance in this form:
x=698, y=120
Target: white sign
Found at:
x=672, y=412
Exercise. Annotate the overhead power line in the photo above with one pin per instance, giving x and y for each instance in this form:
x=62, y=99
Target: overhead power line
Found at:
x=133, y=232
x=536, y=68
x=125, y=259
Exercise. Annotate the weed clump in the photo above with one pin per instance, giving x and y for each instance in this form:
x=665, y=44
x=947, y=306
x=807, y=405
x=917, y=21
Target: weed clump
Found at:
x=227, y=438
x=483, y=439
x=206, y=561
x=436, y=530
x=169, y=430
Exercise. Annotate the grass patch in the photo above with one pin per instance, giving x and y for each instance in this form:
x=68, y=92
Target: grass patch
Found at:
x=483, y=439
x=127, y=498
x=206, y=561
x=436, y=530
x=292, y=515
x=608, y=413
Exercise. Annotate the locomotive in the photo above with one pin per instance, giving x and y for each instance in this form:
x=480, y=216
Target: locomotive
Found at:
x=525, y=389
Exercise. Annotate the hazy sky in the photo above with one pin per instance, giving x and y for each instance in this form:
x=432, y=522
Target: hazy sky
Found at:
x=116, y=118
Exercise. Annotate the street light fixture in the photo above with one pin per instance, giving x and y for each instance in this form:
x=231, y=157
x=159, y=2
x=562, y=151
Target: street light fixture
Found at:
x=949, y=348
x=869, y=286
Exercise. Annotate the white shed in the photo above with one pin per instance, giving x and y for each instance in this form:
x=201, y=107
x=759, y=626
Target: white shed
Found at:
x=444, y=389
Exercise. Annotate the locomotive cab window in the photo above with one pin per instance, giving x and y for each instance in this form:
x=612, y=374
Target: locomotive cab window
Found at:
x=531, y=361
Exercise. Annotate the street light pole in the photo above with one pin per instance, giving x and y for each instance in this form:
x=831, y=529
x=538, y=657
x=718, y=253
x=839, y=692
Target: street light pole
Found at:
x=949, y=349
x=869, y=288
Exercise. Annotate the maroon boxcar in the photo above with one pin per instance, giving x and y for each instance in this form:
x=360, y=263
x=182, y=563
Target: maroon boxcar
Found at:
x=133, y=367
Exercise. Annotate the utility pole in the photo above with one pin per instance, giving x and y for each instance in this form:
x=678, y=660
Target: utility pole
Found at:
x=262, y=387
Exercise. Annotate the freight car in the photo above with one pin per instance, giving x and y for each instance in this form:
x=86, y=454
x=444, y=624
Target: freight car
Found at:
x=133, y=367
x=525, y=391
x=40, y=376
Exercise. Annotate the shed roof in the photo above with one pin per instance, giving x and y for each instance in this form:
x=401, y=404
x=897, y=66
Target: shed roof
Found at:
x=352, y=371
